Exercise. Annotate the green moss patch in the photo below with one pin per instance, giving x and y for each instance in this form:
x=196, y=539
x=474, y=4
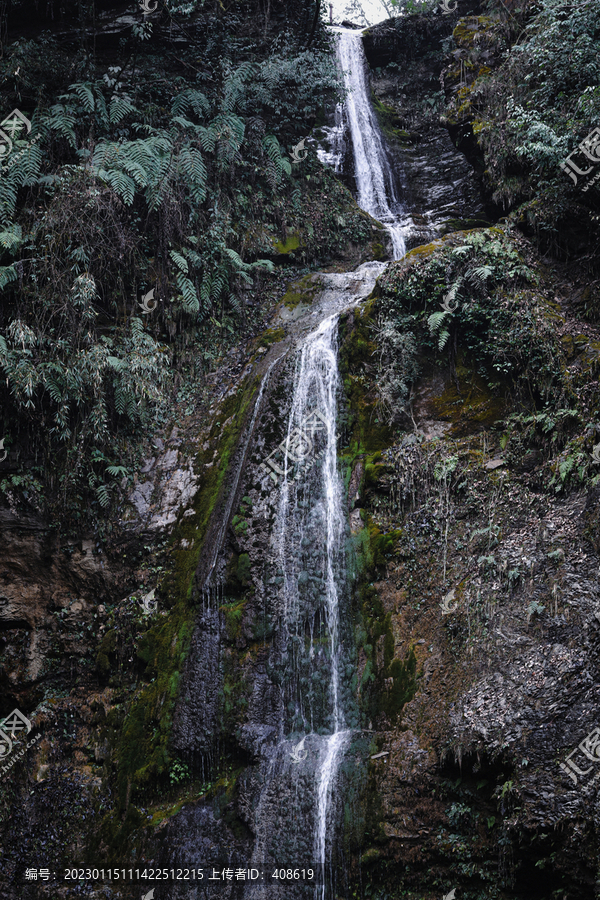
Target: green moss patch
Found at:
x=289, y=245
x=143, y=736
x=302, y=291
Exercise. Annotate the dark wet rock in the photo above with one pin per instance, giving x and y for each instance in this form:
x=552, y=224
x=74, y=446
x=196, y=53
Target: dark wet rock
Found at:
x=257, y=739
x=439, y=187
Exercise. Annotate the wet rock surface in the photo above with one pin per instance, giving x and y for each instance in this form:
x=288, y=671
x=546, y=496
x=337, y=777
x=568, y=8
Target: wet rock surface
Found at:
x=440, y=189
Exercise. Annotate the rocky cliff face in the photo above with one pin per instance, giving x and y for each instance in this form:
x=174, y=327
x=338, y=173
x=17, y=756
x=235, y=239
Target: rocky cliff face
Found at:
x=473, y=537
x=440, y=188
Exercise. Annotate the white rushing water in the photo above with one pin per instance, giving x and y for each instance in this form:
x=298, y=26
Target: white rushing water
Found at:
x=374, y=177
x=314, y=410
x=334, y=750
x=316, y=385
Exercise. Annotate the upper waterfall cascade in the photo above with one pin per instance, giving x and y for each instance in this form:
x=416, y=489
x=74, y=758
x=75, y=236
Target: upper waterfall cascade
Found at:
x=375, y=182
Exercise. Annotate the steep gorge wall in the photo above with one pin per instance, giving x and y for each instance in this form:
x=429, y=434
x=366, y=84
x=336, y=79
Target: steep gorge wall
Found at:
x=473, y=705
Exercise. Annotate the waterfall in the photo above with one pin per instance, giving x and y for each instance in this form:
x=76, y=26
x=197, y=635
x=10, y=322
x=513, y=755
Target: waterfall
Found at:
x=312, y=536
x=312, y=649
x=373, y=172
x=314, y=409
x=301, y=712
x=312, y=609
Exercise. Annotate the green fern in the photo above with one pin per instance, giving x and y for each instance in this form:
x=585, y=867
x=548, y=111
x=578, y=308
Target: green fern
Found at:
x=192, y=167
x=191, y=99
x=180, y=261
x=7, y=274
x=117, y=471
x=120, y=106
x=103, y=495
x=85, y=94
x=61, y=118
x=12, y=237
x=191, y=304
x=234, y=87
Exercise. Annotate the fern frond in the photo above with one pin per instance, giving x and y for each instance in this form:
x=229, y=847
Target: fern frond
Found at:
x=84, y=92
x=180, y=262
x=9, y=187
x=191, y=303
x=122, y=184
x=29, y=163
x=12, y=237
x=234, y=87
x=236, y=259
x=207, y=138
x=101, y=110
x=119, y=108
x=191, y=99
x=7, y=274
x=451, y=295
x=482, y=273
x=117, y=471
x=61, y=119
x=192, y=167
x=185, y=123
x=435, y=320
x=103, y=495
x=272, y=146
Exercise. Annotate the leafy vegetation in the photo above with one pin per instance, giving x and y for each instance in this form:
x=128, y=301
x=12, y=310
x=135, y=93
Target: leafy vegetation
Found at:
x=476, y=297
x=149, y=174
x=529, y=111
